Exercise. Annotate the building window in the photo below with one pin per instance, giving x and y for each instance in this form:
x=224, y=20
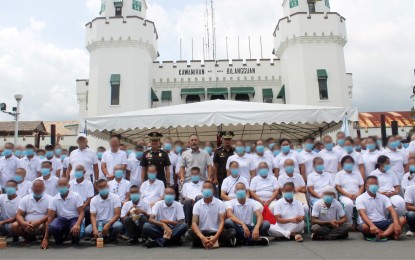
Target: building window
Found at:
x=118, y=11
x=192, y=99
x=293, y=3
x=312, y=6
x=216, y=97
x=102, y=7
x=322, y=86
x=136, y=5
x=242, y=97
x=115, y=95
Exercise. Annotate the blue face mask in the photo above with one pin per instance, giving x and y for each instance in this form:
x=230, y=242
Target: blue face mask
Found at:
x=30, y=152
x=371, y=147
x=260, y=149
x=18, y=153
x=118, y=174
x=195, y=178
x=104, y=192
x=299, y=150
x=99, y=155
x=348, y=148
x=41, y=157
x=316, y=150
x=37, y=196
x=329, y=147
x=10, y=191
x=135, y=197
x=263, y=172
x=340, y=142
x=207, y=193
x=79, y=174
x=328, y=199
x=169, y=198
x=45, y=171
x=152, y=176
x=18, y=178
x=394, y=145
x=234, y=172
x=58, y=151
x=49, y=154
x=240, y=194
x=138, y=154
x=358, y=147
x=309, y=146
x=167, y=147
x=405, y=145
x=63, y=157
x=373, y=188
x=208, y=149
x=288, y=195
x=179, y=149
x=412, y=168
x=348, y=167
x=387, y=167
x=63, y=190
x=276, y=152
x=239, y=149
x=129, y=151
x=320, y=168
x=247, y=149
x=285, y=149
x=271, y=146
x=289, y=169
x=7, y=152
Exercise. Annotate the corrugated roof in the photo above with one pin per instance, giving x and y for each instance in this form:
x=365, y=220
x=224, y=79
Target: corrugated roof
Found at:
x=372, y=119
x=60, y=127
x=25, y=128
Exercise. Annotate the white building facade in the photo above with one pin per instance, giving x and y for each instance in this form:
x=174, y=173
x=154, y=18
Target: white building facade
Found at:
x=125, y=75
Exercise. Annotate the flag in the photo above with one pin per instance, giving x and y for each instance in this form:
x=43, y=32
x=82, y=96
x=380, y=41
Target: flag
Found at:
x=345, y=126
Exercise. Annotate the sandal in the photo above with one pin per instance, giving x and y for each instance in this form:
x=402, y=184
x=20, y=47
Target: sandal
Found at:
x=298, y=238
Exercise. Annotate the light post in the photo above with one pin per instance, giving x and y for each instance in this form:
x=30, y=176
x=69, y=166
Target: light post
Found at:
x=15, y=114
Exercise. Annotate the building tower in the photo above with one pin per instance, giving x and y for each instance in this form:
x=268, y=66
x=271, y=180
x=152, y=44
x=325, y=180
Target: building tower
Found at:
x=309, y=41
x=122, y=46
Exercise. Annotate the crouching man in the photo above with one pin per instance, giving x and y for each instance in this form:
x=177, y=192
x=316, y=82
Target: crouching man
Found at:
x=328, y=218
x=240, y=212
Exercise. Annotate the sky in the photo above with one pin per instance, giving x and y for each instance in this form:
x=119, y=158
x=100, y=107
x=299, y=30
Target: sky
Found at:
x=42, y=49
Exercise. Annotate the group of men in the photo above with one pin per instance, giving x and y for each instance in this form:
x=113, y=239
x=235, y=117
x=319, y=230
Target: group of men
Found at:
x=237, y=194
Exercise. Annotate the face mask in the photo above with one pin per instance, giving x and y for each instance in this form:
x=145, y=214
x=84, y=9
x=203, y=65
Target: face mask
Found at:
x=348, y=166
x=104, y=192
x=49, y=154
x=387, y=167
x=309, y=146
x=179, y=149
x=320, y=168
x=63, y=156
x=285, y=148
x=167, y=147
x=247, y=149
x=207, y=193
x=394, y=145
x=99, y=155
x=239, y=149
x=18, y=178
x=10, y=191
x=329, y=147
x=260, y=149
x=79, y=174
x=58, y=151
x=271, y=146
x=405, y=145
x=373, y=188
x=348, y=149
x=63, y=190
x=18, y=153
x=152, y=176
x=7, y=152
x=263, y=172
x=195, y=178
x=340, y=142
x=371, y=147
x=276, y=153
x=328, y=199
x=358, y=147
x=208, y=149
x=169, y=198
x=135, y=197
x=118, y=174
x=288, y=195
x=316, y=150
x=45, y=171
x=37, y=196
x=138, y=154
x=30, y=152
x=234, y=172
x=289, y=169
x=241, y=194
x=412, y=168
x=299, y=150
x=129, y=152
x=41, y=157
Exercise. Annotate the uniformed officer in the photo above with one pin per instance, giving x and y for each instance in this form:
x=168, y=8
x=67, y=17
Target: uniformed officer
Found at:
x=157, y=157
x=221, y=156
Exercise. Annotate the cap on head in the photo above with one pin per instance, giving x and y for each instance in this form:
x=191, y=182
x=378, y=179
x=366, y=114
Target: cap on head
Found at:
x=227, y=134
x=155, y=136
x=81, y=136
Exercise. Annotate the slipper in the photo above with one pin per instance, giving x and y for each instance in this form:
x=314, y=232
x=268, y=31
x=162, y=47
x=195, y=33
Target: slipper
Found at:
x=298, y=238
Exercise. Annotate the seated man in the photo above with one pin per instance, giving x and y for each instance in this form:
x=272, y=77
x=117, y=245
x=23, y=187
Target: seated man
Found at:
x=51, y=181
x=264, y=186
x=208, y=223
x=85, y=188
x=372, y=207
x=289, y=214
x=410, y=207
x=229, y=183
x=191, y=193
x=9, y=203
x=65, y=215
x=152, y=189
x=23, y=186
x=166, y=224
x=120, y=186
x=105, y=212
x=240, y=212
x=328, y=218
x=32, y=214
x=318, y=180
x=134, y=215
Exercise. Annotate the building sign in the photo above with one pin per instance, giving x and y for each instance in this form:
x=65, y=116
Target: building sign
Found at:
x=328, y=3
x=293, y=3
x=137, y=5
x=102, y=6
x=241, y=70
x=192, y=72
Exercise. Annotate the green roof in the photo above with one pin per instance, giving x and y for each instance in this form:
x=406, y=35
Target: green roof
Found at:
x=115, y=79
x=322, y=74
x=217, y=91
x=154, y=97
x=243, y=90
x=281, y=94
x=166, y=95
x=192, y=91
x=267, y=93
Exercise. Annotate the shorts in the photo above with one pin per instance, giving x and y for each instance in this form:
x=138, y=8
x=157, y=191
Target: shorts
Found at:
x=383, y=225
x=6, y=229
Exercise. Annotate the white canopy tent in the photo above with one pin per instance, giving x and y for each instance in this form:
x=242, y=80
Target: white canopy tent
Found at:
x=248, y=120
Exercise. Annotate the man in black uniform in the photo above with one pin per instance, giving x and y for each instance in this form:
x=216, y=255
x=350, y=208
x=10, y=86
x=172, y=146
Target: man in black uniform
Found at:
x=221, y=156
x=157, y=157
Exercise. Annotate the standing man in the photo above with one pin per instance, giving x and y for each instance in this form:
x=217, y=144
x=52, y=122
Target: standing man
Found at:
x=50, y=157
x=8, y=164
x=134, y=166
x=221, y=155
x=168, y=148
x=157, y=157
x=114, y=156
x=85, y=157
x=30, y=163
x=85, y=188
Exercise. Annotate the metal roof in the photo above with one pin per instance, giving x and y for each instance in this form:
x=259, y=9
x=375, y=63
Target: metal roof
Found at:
x=372, y=119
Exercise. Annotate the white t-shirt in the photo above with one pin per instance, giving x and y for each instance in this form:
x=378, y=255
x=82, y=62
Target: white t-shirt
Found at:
x=163, y=212
x=24, y=188
x=288, y=210
x=397, y=161
x=246, y=165
x=331, y=160
x=86, y=158
x=319, y=181
x=152, y=192
x=320, y=211
x=357, y=157
x=369, y=160
x=375, y=207
x=387, y=181
x=281, y=158
x=67, y=208
x=209, y=214
x=264, y=188
x=51, y=185
x=308, y=158
x=120, y=188
x=297, y=179
x=265, y=158
x=411, y=147
x=114, y=159
x=85, y=188
x=140, y=205
x=34, y=210
x=406, y=182
x=30, y=165
x=191, y=190
x=410, y=195
x=8, y=168
x=244, y=212
x=133, y=165
x=105, y=209
x=8, y=207
x=229, y=183
x=56, y=165
x=173, y=161
x=349, y=182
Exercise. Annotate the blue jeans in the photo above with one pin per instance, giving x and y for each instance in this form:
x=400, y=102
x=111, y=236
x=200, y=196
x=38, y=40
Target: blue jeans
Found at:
x=263, y=230
x=156, y=233
x=410, y=219
x=115, y=229
x=6, y=229
x=60, y=228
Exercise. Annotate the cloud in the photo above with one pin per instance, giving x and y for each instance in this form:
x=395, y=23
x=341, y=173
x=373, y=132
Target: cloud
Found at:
x=93, y=6
x=37, y=25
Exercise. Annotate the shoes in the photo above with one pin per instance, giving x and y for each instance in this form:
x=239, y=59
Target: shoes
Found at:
x=410, y=234
x=150, y=244
x=133, y=242
x=232, y=242
x=315, y=237
x=262, y=241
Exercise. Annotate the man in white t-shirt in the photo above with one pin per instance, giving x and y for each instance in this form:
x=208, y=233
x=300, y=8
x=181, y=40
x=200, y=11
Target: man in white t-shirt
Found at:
x=134, y=168
x=410, y=207
x=9, y=203
x=264, y=186
x=152, y=190
x=50, y=157
x=51, y=182
x=85, y=157
x=120, y=186
x=191, y=193
x=23, y=186
x=318, y=180
x=113, y=157
x=85, y=188
x=30, y=163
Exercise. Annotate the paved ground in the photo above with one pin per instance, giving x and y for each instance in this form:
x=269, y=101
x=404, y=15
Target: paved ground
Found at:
x=352, y=248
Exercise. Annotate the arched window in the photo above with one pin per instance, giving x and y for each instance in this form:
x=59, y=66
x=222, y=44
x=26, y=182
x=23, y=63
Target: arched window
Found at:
x=192, y=99
x=216, y=97
x=242, y=97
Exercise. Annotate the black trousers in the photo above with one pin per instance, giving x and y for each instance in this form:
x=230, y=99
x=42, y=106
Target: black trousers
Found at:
x=188, y=210
x=224, y=238
x=134, y=229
